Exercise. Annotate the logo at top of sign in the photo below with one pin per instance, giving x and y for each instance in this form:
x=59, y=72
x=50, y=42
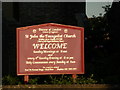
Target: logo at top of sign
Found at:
x=65, y=30
x=26, y=36
x=34, y=31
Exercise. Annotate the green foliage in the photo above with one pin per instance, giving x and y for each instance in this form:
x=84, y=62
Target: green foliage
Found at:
x=106, y=8
x=88, y=80
x=9, y=80
x=62, y=79
x=33, y=81
x=98, y=38
x=53, y=79
x=101, y=51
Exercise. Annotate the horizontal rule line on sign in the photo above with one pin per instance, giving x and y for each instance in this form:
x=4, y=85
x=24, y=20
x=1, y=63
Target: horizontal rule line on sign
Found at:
x=49, y=41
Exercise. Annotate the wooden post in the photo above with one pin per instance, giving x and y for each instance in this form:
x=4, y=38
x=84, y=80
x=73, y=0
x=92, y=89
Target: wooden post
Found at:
x=26, y=79
x=74, y=76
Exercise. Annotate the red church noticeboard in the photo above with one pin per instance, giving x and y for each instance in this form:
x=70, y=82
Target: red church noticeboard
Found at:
x=50, y=49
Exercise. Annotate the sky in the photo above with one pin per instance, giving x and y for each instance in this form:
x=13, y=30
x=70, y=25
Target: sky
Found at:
x=95, y=8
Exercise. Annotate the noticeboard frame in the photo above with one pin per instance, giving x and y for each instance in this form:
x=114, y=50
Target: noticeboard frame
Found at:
x=50, y=24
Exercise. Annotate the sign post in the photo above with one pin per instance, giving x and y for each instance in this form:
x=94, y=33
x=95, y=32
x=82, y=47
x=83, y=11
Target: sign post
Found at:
x=26, y=79
x=50, y=49
x=74, y=76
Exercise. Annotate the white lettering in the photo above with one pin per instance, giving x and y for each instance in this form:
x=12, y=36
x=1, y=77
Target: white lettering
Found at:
x=50, y=46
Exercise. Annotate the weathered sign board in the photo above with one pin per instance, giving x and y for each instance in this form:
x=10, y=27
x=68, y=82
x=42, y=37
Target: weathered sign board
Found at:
x=50, y=49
